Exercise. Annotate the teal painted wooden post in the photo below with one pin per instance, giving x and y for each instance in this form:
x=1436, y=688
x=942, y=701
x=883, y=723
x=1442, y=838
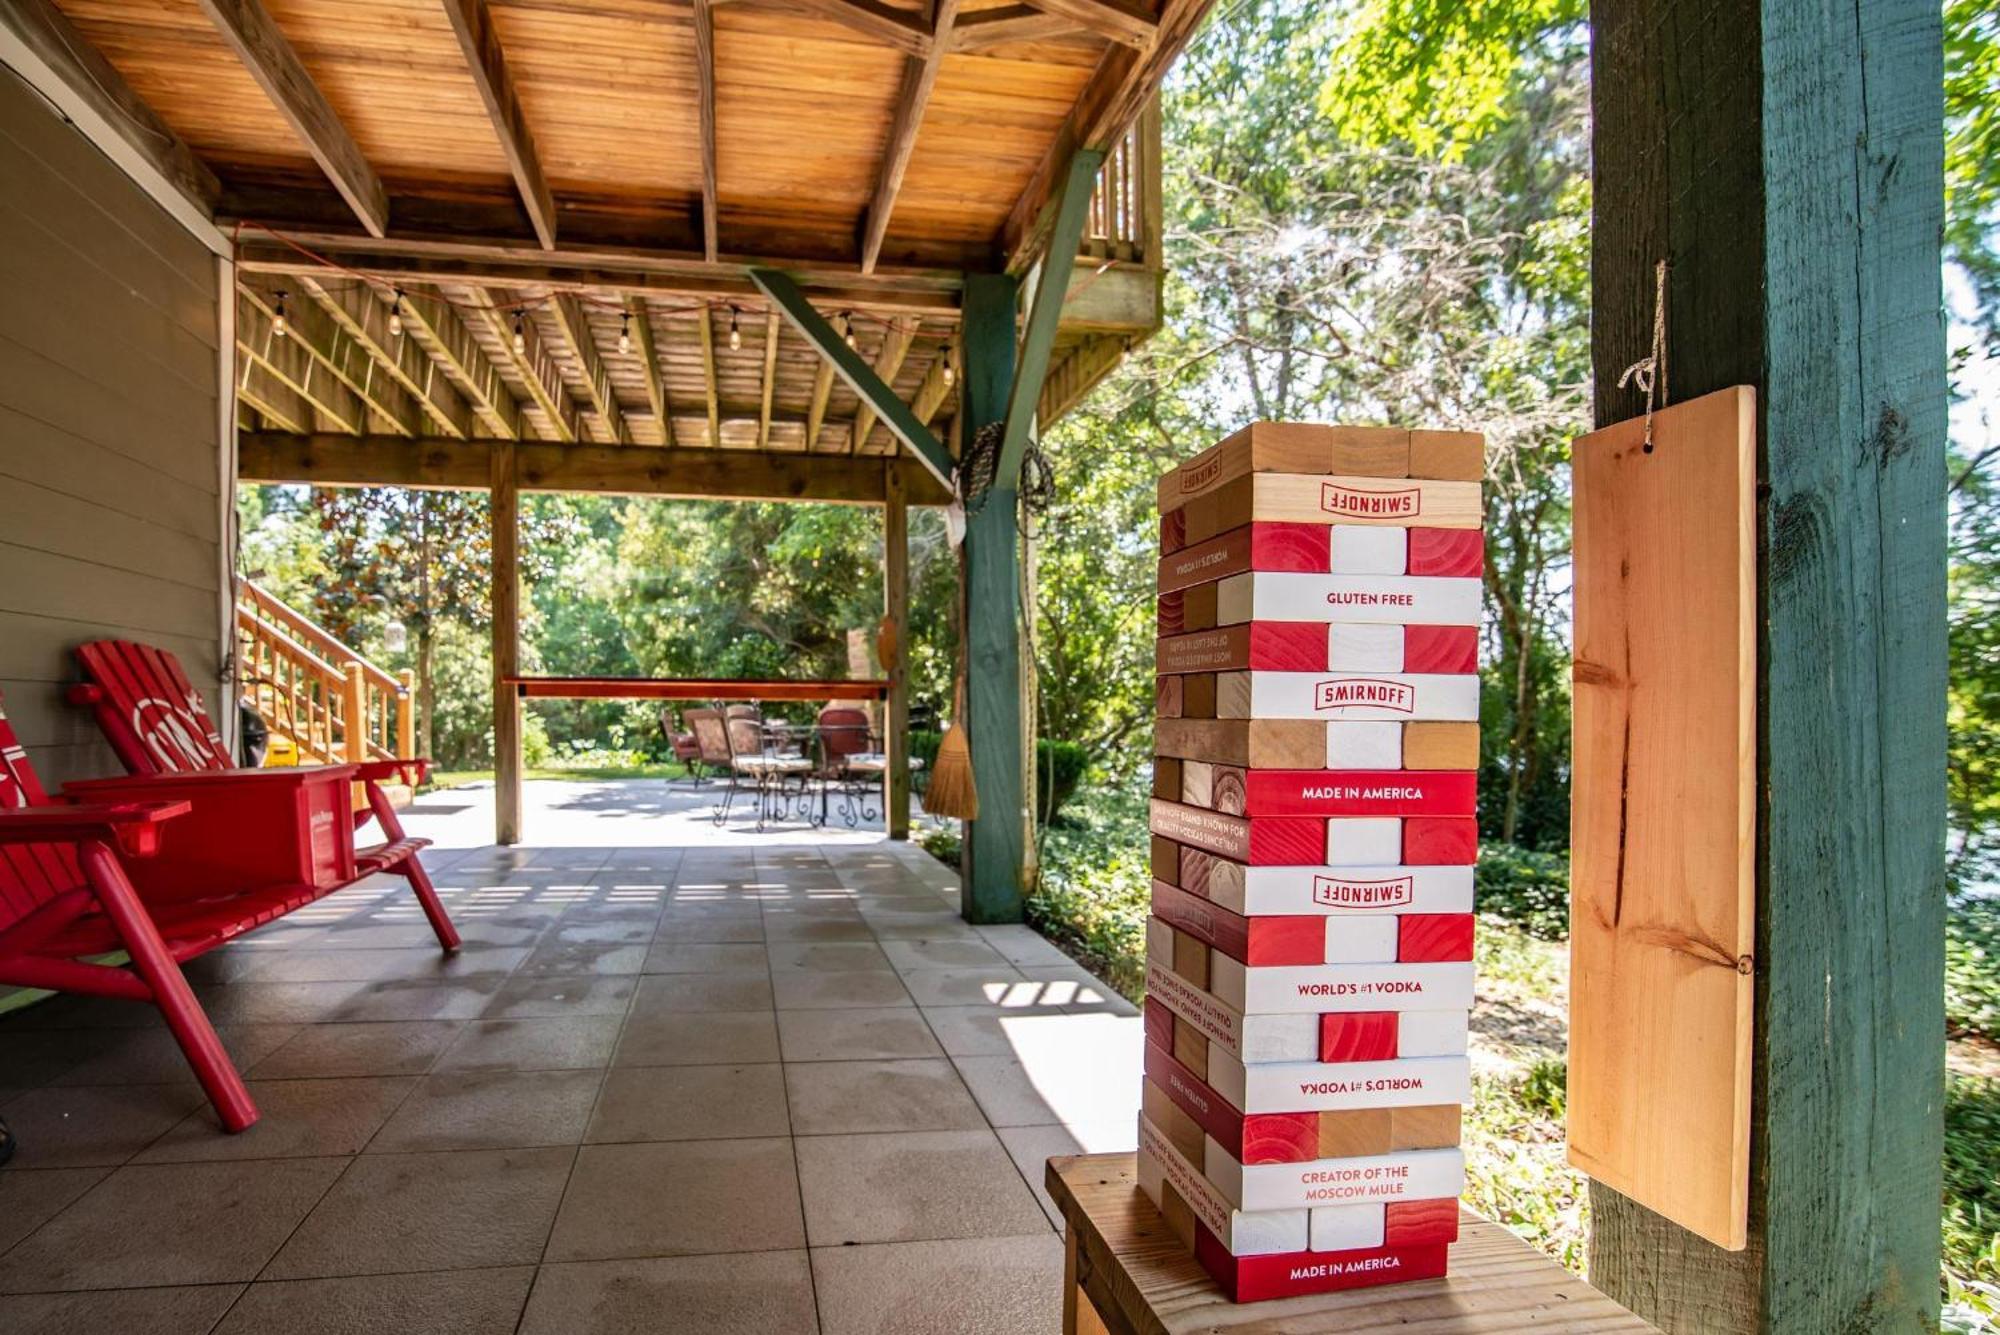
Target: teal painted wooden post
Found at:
x=995, y=844
x=1787, y=160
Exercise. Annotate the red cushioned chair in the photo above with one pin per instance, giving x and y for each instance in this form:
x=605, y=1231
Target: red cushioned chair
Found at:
x=65, y=897
x=249, y=826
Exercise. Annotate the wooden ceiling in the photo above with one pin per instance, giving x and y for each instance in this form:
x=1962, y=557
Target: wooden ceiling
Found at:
x=600, y=174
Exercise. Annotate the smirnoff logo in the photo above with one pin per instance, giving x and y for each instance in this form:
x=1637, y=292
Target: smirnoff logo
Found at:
x=1335, y=892
x=1402, y=504
x=1198, y=474
x=1375, y=692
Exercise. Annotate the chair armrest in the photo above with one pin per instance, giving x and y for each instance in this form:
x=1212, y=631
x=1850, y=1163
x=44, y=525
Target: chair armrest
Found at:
x=135, y=825
x=375, y=771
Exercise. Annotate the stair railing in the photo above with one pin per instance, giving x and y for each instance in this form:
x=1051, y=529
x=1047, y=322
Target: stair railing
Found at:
x=335, y=705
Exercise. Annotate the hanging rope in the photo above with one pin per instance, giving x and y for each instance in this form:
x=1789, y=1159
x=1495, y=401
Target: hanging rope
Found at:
x=982, y=460
x=1650, y=373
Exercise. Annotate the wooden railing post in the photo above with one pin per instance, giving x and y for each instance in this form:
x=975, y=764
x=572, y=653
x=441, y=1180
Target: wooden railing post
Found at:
x=506, y=599
x=354, y=715
x=406, y=714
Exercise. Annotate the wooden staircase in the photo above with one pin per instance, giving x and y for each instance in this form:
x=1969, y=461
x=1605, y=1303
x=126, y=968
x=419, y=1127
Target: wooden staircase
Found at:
x=323, y=701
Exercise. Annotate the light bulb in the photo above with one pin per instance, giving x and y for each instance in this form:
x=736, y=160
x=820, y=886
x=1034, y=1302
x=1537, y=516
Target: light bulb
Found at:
x=847, y=326
x=735, y=334
x=396, y=315
x=625, y=335
x=279, y=326
x=950, y=371
x=520, y=334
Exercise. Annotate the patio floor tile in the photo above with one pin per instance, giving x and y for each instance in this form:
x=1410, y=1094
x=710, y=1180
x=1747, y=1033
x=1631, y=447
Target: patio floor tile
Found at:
x=727, y=1196
x=980, y=1031
x=698, y=1038
x=1032, y=1147
x=955, y=953
x=567, y=1042
x=1005, y=1092
x=28, y=1199
x=160, y=1224
x=575, y=959
x=394, y=1047
x=300, y=1119
x=912, y=1185
x=997, y=1286
x=152, y=1057
x=855, y=1035
x=174, y=1311
x=830, y=1098
x=754, y=1293
x=663, y=992
x=845, y=956
x=450, y=1302
x=706, y=957
x=491, y=1110
x=535, y=998
x=991, y=985
x=817, y=989
x=393, y=1213
x=690, y=1103
x=86, y=1125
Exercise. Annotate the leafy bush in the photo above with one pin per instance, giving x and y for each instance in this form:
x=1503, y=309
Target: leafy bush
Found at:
x=1525, y=887
x=1972, y=1198
x=1972, y=966
x=1096, y=884
x=1545, y=1088
x=1059, y=768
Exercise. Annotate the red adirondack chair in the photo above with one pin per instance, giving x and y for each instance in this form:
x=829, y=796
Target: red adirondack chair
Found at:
x=65, y=896
x=156, y=723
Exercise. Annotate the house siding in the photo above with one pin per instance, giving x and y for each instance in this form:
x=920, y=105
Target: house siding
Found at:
x=110, y=514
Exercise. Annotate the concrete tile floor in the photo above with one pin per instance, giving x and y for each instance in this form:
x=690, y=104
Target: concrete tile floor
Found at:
x=680, y=1078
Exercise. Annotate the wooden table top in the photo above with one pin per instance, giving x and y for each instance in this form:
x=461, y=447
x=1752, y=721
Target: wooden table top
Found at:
x=1143, y=1282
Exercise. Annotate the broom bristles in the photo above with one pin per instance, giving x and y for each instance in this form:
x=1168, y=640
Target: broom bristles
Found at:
x=951, y=791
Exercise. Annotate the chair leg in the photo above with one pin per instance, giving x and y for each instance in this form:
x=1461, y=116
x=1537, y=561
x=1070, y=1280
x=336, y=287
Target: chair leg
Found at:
x=171, y=993
x=412, y=870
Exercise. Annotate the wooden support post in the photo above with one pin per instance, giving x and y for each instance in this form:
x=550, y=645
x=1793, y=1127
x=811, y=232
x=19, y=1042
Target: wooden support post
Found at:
x=353, y=714
x=896, y=607
x=406, y=714
x=506, y=599
x=1787, y=161
x=995, y=855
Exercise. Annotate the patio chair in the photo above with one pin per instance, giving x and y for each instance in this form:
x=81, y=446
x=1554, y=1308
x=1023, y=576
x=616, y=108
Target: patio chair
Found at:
x=159, y=728
x=754, y=762
x=851, y=759
x=686, y=748
x=66, y=900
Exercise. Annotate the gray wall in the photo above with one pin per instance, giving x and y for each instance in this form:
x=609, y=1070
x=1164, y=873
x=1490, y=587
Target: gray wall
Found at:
x=109, y=457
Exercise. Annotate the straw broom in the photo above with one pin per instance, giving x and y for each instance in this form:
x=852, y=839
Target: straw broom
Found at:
x=951, y=791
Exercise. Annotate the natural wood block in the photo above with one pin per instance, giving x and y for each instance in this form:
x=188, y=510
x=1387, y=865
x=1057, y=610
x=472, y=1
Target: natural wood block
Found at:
x=1169, y=697
x=1167, y=777
x=1179, y=1128
x=1197, y=783
x=1441, y=745
x=1229, y=695
x=1288, y=447
x=1434, y=937
x=1355, y=1133
x=1458, y=455
x=1191, y=958
x=1295, y=498
x=1198, y=695
x=1179, y=1216
x=1447, y=552
x=1173, y=531
x=1369, y=451
x=1190, y=1047
x=1425, y=1126
x=1198, y=607
x=1255, y=743
x=1196, y=867
x=1166, y=860
x=1226, y=792
x=1440, y=840
x=1170, y=613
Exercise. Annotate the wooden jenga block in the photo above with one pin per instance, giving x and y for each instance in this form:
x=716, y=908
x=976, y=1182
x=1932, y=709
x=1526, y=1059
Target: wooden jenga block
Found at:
x=1372, y=746
x=1167, y=777
x=1412, y=1223
x=1159, y=1023
x=1170, y=614
x=1198, y=695
x=1191, y=958
x=1198, y=607
x=1398, y=1175
x=1365, y=549
x=1333, y=891
x=1190, y=1047
x=1356, y=1133
x=1364, y=841
x=1439, y=745
x=1440, y=840
x=1447, y=552
x=1298, y=498
x=1395, y=600
x=1173, y=532
x=1168, y=696
x=1434, y=937
x=1227, y=793
x=1316, y=1086
x=1444, y=650
x=1303, y=548
x=1358, y=696
x=1231, y=695
x=1178, y=1215
x=1358, y=1036
x=1166, y=860
x=1255, y=743
x=1355, y=793
x=1180, y=1129
x=1264, y=841
x=1324, y=989
x=1288, y=447
x=1424, y=1126
x=1197, y=783
x=1367, y=646
x=1196, y=867
x=1459, y=455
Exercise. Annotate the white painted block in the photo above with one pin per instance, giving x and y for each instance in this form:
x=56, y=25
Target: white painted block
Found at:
x=1424, y=600
x=1243, y=1233
x=1356, y=696
x=1364, y=841
x=1369, y=549
x=1275, y=1087
x=1292, y=988
x=1347, y=1228
x=1364, y=647
x=1343, y=889
x=1364, y=746
x=1408, y=1175
x=1432, y=1033
x=1365, y=940
x=1280, y=1038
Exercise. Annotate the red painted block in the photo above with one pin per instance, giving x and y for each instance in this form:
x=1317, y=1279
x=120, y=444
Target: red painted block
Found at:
x=1300, y=547
x=1255, y=1138
x=1255, y=1279
x=1414, y=1223
x=1447, y=551
x=1449, y=649
x=1171, y=612
x=1288, y=646
x=1433, y=938
x=1286, y=548
x=1275, y=940
x=1295, y=792
x=1358, y=1036
x=1440, y=841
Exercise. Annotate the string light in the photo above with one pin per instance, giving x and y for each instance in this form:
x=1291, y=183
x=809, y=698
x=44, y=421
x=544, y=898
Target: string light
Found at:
x=625, y=334
x=520, y=333
x=847, y=326
x=735, y=334
x=950, y=371
x=279, y=326
x=396, y=314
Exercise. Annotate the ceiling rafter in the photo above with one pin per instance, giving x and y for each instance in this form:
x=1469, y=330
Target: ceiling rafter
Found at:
x=706, y=319
x=278, y=350
x=477, y=37
x=520, y=339
x=573, y=321
x=648, y=353
x=823, y=388
x=770, y=380
x=348, y=359
x=1009, y=23
x=920, y=75
x=900, y=28
x=1125, y=21
x=704, y=64
x=365, y=319
x=896, y=342
x=249, y=29
x=445, y=337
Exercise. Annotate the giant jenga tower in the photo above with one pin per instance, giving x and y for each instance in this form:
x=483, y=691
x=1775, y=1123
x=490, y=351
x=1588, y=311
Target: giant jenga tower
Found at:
x=1309, y=957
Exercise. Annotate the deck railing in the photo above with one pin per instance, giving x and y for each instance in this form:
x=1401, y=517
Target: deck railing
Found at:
x=1125, y=209
x=335, y=705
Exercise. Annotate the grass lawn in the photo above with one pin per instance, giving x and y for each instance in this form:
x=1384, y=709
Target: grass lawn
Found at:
x=664, y=769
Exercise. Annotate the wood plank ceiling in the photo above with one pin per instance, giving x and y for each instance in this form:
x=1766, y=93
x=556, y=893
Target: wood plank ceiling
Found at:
x=531, y=219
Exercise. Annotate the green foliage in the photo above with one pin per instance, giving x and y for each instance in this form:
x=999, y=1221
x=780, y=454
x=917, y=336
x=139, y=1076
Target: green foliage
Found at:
x=1972, y=778
x=1972, y=967
x=1096, y=884
x=1545, y=1088
x=1059, y=767
x=1527, y=888
x=1972, y=1179
x=1972, y=153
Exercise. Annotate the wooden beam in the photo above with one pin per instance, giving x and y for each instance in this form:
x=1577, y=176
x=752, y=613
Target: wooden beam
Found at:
x=888, y=363
x=920, y=74
x=704, y=64
x=284, y=356
x=770, y=380
x=473, y=22
x=350, y=361
x=936, y=388
x=1005, y=24
x=896, y=614
x=1787, y=160
x=823, y=388
x=365, y=320
x=1045, y=310
x=900, y=28
x=332, y=460
x=574, y=322
x=46, y=33
x=437, y=327
x=648, y=352
x=707, y=332
x=531, y=361
x=894, y=413
x=264, y=51
x=258, y=386
x=503, y=488
x=1077, y=374
x=1128, y=23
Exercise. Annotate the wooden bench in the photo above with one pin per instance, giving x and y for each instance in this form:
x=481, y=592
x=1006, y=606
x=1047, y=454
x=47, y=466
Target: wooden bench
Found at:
x=1125, y=1273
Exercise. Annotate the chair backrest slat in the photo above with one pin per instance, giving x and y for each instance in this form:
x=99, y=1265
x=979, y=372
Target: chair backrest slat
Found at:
x=843, y=732
x=30, y=874
x=709, y=735
x=150, y=713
